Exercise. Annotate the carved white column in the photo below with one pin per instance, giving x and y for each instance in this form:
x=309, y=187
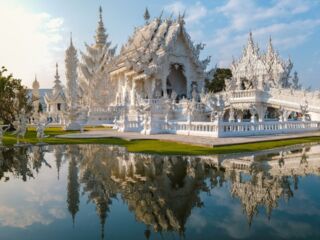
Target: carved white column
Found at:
x=133, y=93
x=164, y=85
x=231, y=114
x=261, y=111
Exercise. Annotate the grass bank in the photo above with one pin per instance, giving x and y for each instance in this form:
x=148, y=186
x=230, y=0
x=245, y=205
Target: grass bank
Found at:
x=156, y=146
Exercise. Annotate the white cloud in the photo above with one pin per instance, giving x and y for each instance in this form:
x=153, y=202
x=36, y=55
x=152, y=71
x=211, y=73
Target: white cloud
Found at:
x=194, y=13
x=281, y=20
x=28, y=41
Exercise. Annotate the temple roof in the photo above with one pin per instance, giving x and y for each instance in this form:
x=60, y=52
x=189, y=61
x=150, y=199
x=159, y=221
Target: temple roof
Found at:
x=146, y=47
x=57, y=94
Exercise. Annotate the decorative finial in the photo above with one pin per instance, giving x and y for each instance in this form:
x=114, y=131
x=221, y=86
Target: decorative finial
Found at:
x=100, y=13
x=146, y=15
x=160, y=17
x=71, y=43
x=57, y=72
x=184, y=14
x=101, y=36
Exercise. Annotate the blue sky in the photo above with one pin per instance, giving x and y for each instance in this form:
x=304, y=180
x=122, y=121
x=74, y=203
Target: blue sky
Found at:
x=37, y=31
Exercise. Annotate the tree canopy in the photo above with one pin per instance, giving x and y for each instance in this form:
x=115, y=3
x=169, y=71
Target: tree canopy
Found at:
x=217, y=82
x=13, y=97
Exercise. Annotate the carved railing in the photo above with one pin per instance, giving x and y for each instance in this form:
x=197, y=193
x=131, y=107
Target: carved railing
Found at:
x=245, y=93
x=228, y=129
x=260, y=128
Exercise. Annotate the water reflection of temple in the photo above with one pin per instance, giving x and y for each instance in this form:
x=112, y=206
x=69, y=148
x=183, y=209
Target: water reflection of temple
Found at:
x=161, y=191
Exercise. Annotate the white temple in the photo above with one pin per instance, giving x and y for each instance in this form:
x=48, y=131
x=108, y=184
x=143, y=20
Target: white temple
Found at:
x=156, y=85
x=56, y=101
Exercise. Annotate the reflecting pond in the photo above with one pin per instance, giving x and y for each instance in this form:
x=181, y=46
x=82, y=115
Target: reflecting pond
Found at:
x=104, y=192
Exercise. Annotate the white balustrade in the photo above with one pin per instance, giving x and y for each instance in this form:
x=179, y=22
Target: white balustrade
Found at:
x=224, y=129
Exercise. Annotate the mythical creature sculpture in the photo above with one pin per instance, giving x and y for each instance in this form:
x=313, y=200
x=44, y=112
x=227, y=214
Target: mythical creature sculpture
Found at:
x=20, y=126
x=40, y=130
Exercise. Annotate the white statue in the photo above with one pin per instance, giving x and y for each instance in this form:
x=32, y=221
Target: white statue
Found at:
x=20, y=125
x=40, y=130
x=146, y=119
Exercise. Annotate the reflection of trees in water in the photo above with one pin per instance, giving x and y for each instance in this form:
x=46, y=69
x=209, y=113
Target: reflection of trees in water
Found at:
x=21, y=162
x=162, y=190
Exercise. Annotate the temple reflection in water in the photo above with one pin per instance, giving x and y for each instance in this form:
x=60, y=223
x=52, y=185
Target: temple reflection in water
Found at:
x=162, y=191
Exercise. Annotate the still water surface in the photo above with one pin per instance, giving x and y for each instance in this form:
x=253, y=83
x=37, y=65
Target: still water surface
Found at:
x=104, y=192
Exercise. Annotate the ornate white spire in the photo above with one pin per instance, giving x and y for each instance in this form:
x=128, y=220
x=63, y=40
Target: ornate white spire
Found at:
x=71, y=63
x=57, y=76
x=101, y=31
x=270, y=46
x=250, y=48
x=57, y=83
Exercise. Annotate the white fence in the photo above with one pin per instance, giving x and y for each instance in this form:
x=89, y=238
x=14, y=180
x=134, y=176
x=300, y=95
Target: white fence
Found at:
x=265, y=128
x=233, y=129
x=222, y=129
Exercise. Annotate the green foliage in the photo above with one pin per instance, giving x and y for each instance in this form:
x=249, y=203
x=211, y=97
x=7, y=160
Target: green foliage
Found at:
x=10, y=88
x=217, y=84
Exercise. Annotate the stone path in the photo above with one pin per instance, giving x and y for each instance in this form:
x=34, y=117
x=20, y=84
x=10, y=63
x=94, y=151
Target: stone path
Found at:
x=193, y=140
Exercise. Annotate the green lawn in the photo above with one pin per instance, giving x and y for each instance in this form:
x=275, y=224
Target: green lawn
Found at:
x=156, y=146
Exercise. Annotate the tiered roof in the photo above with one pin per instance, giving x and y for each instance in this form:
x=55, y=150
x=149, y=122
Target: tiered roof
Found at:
x=253, y=64
x=147, y=47
x=57, y=94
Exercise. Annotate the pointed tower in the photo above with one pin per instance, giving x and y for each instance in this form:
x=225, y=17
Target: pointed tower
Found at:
x=146, y=15
x=269, y=59
x=93, y=68
x=101, y=36
x=56, y=100
x=251, y=48
x=35, y=99
x=71, y=62
x=57, y=87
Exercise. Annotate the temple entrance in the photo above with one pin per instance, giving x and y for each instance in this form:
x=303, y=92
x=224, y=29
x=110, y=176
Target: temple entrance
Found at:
x=177, y=82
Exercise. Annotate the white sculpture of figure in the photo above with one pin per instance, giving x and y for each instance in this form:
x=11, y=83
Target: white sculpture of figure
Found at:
x=146, y=120
x=40, y=130
x=194, y=92
x=281, y=113
x=2, y=131
x=189, y=110
x=231, y=114
x=20, y=125
x=253, y=112
x=115, y=123
x=213, y=116
x=304, y=110
x=174, y=96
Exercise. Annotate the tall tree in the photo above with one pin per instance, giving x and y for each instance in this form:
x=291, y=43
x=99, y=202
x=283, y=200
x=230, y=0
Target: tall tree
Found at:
x=13, y=97
x=216, y=82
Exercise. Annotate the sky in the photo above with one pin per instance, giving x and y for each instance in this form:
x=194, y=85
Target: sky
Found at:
x=35, y=33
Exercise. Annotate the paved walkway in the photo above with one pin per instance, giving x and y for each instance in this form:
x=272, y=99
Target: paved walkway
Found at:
x=193, y=140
